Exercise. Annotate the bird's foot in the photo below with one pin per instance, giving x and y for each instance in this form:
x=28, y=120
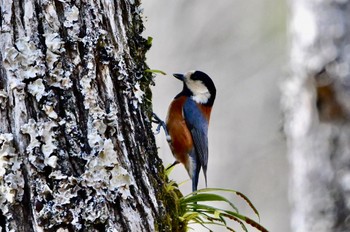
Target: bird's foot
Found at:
x=161, y=123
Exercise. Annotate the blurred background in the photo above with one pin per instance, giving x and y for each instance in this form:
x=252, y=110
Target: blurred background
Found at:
x=242, y=46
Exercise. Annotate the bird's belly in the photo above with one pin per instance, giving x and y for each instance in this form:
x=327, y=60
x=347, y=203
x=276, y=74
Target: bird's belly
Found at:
x=181, y=141
x=181, y=138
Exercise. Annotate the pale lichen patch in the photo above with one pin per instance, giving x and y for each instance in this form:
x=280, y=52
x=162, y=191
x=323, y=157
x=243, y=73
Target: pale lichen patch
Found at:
x=95, y=209
x=44, y=131
x=133, y=218
x=23, y=60
x=3, y=99
x=112, y=121
x=11, y=178
x=50, y=14
x=139, y=94
x=72, y=16
x=31, y=129
x=96, y=132
x=49, y=110
x=37, y=89
x=67, y=190
x=6, y=151
x=76, y=214
x=106, y=174
x=58, y=175
x=152, y=195
x=121, y=181
x=60, y=77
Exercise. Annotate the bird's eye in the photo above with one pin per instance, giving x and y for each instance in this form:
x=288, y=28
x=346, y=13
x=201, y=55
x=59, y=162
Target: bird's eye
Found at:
x=194, y=77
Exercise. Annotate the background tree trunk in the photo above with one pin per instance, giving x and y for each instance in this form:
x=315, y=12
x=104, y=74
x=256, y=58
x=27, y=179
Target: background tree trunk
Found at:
x=316, y=101
x=76, y=148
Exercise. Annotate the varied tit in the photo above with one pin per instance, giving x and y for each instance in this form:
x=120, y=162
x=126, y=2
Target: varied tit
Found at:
x=188, y=120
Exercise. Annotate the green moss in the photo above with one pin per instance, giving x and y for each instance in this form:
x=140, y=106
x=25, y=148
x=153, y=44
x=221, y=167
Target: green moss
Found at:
x=171, y=196
x=138, y=48
x=168, y=193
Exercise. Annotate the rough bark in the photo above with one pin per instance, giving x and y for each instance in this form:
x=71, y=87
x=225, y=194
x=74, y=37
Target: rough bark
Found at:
x=316, y=103
x=76, y=148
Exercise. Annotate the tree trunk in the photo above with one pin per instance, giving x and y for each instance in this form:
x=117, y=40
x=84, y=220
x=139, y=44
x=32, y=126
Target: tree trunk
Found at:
x=76, y=148
x=317, y=106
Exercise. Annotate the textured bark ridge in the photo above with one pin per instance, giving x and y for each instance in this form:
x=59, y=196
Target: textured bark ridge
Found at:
x=317, y=106
x=76, y=148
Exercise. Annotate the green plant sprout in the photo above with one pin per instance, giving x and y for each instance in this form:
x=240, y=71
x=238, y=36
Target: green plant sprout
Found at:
x=193, y=208
x=155, y=71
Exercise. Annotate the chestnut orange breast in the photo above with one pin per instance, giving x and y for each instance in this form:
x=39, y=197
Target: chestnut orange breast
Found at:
x=181, y=138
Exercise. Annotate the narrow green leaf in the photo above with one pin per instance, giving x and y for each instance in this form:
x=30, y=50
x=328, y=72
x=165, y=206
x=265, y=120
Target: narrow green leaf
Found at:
x=202, y=224
x=183, y=182
x=206, y=197
x=210, y=215
x=256, y=225
x=212, y=223
x=244, y=197
x=216, y=214
x=249, y=203
x=155, y=71
x=245, y=219
x=225, y=213
x=232, y=215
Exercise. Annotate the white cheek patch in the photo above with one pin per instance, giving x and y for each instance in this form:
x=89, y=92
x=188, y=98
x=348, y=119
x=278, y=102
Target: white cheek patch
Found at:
x=189, y=74
x=202, y=98
x=200, y=91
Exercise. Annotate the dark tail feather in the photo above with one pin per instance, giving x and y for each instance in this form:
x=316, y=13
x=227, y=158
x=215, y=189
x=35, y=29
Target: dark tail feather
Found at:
x=195, y=176
x=205, y=176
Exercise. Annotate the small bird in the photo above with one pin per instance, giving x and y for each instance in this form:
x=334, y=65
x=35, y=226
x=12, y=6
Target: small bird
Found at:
x=187, y=123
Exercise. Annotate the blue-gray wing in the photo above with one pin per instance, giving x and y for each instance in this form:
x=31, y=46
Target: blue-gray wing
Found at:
x=198, y=126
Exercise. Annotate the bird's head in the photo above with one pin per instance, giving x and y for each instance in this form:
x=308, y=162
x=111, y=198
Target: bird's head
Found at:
x=199, y=86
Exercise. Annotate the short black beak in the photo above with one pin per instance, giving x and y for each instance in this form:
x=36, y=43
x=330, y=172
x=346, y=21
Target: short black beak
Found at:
x=179, y=76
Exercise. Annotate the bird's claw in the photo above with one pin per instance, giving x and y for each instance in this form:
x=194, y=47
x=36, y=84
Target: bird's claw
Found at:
x=157, y=129
x=161, y=123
